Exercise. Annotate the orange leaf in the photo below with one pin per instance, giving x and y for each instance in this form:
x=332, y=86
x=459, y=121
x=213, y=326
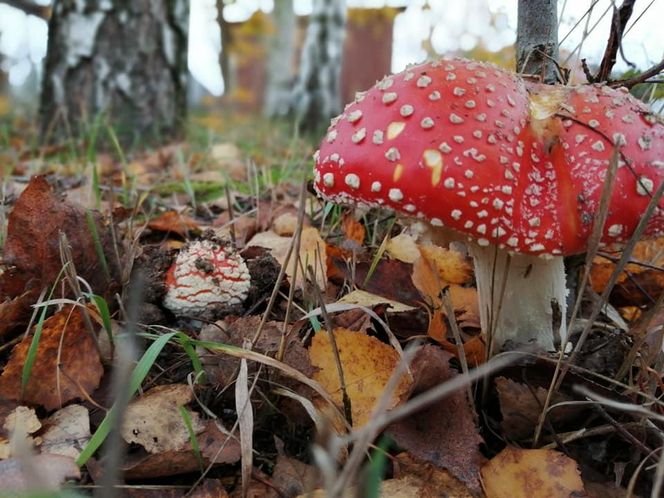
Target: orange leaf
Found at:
x=67, y=365
x=353, y=229
x=451, y=265
x=174, y=222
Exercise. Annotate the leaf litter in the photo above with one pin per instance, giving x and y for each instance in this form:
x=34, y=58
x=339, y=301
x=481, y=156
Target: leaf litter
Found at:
x=190, y=424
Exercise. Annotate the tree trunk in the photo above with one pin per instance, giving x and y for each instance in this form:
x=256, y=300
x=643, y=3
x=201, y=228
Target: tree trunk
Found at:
x=224, y=60
x=121, y=60
x=537, y=39
x=280, y=64
x=316, y=95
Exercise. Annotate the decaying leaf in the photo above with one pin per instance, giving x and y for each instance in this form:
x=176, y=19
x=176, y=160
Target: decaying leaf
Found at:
x=154, y=420
x=216, y=447
x=369, y=300
x=367, y=365
x=354, y=231
x=520, y=473
x=66, y=432
x=67, y=364
x=174, y=222
x=208, y=488
x=452, y=266
x=31, y=251
x=312, y=253
x=227, y=157
x=21, y=419
x=444, y=433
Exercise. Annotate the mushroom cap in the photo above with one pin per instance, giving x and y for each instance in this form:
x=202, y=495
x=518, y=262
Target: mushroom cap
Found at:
x=204, y=278
x=475, y=148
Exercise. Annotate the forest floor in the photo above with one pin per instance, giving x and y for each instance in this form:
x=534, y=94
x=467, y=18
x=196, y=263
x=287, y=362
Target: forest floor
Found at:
x=341, y=369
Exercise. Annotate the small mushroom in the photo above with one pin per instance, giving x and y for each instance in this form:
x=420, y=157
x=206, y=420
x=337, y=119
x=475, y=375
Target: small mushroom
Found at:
x=515, y=167
x=206, y=279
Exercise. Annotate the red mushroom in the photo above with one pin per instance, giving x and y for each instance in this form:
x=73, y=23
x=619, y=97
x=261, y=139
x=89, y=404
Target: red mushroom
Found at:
x=205, y=279
x=518, y=168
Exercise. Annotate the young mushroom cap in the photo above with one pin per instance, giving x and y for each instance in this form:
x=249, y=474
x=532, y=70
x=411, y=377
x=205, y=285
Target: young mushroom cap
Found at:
x=206, y=278
x=474, y=148
x=517, y=167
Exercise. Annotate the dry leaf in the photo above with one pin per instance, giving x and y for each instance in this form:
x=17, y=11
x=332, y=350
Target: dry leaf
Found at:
x=67, y=364
x=174, y=222
x=154, y=420
x=31, y=253
x=445, y=432
x=66, y=432
x=403, y=248
x=452, y=266
x=353, y=230
x=312, y=253
x=285, y=224
x=369, y=300
x=228, y=157
x=367, y=365
x=22, y=419
x=520, y=473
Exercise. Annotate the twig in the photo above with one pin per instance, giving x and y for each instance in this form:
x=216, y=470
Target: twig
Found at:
x=619, y=21
x=41, y=11
x=640, y=78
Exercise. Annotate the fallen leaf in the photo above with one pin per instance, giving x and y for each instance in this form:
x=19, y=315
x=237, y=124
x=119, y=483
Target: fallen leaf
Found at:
x=31, y=251
x=312, y=253
x=403, y=248
x=369, y=300
x=16, y=311
x=174, y=222
x=285, y=224
x=216, y=447
x=353, y=230
x=67, y=365
x=208, y=488
x=38, y=473
x=66, y=432
x=154, y=420
x=367, y=365
x=227, y=157
x=444, y=433
x=517, y=473
x=24, y=421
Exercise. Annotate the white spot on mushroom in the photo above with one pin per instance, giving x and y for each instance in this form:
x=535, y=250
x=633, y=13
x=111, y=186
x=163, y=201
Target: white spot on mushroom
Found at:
x=534, y=222
x=537, y=247
x=456, y=119
x=580, y=138
x=359, y=135
x=508, y=175
x=389, y=97
x=458, y=91
x=449, y=183
x=506, y=189
x=406, y=110
x=511, y=101
x=376, y=186
x=468, y=173
x=619, y=139
x=411, y=208
x=593, y=123
x=423, y=81
x=468, y=225
x=498, y=204
x=482, y=214
x=328, y=179
x=436, y=222
x=513, y=242
x=409, y=76
x=481, y=229
x=445, y=148
x=435, y=95
x=644, y=185
x=492, y=139
x=491, y=87
x=456, y=214
x=477, y=134
x=644, y=142
x=450, y=77
x=427, y=123
x=627, y=118
x=615, y=230
x=352, y=180
x=378, y=137
x=354, y=116
x=395, y=195
x=458, y=139
x=481, y=117
x=385, y=83
x=334, y=157
x=392, y=154
x=498, y=232
x=598, y=146
x=331, y=136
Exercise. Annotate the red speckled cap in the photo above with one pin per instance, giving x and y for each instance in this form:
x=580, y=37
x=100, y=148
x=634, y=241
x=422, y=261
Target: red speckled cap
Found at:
x=474, y=148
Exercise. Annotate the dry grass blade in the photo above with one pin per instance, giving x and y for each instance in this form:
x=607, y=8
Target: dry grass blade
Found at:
x=245, y=416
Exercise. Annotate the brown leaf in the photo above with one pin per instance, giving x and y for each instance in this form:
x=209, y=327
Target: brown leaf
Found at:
x=517, y=473
x=452, y=266
x=16, y=311
x=174, y=222
x=353, y=230
x=444, y=433
x=367, y=365
x=31, y=252
x=66, y=432
x=208, y=488
x=215, y=446
x=67, y=364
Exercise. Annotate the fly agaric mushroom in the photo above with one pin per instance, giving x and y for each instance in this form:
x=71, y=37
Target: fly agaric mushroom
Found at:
x=516, y=167
x=206, y=278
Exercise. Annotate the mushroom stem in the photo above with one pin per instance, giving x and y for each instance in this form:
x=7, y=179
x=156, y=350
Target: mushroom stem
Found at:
x=522, y=298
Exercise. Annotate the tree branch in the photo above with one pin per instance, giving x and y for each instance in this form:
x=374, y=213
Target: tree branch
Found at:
x=619, y=21
x=639, y=78
x=41, y=11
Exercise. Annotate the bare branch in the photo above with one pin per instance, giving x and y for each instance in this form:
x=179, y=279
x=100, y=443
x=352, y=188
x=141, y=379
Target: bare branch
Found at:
x=619, y=21
x=41, y=11
x=640, y=78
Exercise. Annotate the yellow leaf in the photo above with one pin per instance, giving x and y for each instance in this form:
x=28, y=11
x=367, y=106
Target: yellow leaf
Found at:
x=367, y=365
x=519, y=473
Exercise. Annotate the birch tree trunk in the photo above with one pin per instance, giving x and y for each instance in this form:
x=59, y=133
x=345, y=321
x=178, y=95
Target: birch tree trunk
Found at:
x=316, y=96
x=123, y=60
x=280, y=63
x=537, y=39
